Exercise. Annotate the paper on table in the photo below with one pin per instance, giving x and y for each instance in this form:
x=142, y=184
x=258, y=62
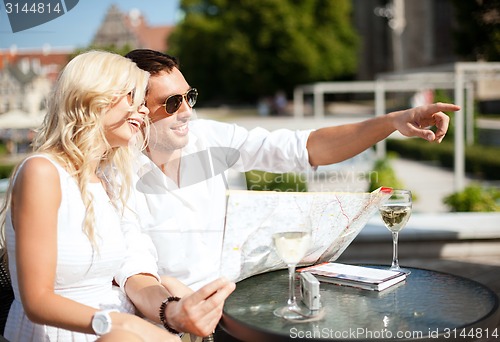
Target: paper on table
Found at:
x=358, y=276
x=336, y=217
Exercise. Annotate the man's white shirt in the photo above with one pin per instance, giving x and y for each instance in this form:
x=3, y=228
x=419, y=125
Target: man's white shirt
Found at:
x=185, y=222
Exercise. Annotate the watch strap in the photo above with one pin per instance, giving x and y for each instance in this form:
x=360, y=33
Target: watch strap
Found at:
x=102, y=313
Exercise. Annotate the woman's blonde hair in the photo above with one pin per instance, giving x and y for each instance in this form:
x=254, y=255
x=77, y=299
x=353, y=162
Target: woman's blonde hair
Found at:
x=72, y=132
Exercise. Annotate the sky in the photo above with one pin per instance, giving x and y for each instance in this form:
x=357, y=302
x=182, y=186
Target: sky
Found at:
x=77, y=27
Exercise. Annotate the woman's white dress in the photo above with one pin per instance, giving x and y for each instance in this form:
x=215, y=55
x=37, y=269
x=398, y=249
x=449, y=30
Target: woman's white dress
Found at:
x=83, y=274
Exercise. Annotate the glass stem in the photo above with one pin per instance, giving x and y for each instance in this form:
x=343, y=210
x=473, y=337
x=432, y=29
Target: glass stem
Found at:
x=395, y=262
x=291, y=286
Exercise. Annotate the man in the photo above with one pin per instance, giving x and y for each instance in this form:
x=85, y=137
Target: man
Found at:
x=182, y=185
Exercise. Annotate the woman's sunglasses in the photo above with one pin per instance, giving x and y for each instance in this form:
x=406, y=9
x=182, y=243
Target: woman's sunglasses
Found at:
x=174, y=102
x=130, y=99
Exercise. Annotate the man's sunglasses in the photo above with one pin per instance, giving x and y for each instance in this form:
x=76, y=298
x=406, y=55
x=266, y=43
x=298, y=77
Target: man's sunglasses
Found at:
x=174, y=102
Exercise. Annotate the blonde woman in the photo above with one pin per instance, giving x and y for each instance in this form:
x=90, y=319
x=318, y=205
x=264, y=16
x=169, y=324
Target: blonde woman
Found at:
x=62, y=217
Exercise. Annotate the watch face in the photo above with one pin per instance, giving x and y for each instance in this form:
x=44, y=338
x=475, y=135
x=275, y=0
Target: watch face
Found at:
x=101, y=323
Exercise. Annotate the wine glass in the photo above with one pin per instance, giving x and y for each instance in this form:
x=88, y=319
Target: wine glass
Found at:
x=291, y=240
x=395, y=213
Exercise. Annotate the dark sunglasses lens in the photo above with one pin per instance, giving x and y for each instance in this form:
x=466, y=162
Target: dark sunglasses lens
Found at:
x=130, y=98
x=173, y=103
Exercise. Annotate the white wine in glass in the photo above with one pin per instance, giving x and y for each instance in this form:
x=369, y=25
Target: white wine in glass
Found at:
x=395, y=213
x=291, y=246
x=291, y=242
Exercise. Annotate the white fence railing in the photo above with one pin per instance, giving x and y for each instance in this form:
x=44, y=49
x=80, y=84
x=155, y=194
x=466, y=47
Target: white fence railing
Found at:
x=461, y=80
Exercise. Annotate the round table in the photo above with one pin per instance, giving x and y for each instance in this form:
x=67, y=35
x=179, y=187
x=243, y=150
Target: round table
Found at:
x=428, y=305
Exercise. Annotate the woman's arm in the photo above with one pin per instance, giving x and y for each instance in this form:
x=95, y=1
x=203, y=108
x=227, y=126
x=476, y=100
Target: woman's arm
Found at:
x=36, y=199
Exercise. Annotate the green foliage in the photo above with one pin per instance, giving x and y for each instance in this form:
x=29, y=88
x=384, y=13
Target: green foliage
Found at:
x=241, y=50
x=267, y=181
x=474, y=198
x=383, y=175
x=6, y=170
x=477, y=36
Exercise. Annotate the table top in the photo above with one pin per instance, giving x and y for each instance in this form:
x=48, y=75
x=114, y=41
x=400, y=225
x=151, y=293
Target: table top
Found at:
x=427, y=305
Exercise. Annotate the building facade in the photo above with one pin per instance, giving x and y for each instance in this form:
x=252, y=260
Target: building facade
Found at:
x=401, y=35
x=131, y=30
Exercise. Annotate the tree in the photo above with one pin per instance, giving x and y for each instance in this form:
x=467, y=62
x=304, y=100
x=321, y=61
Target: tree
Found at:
x=478, y=34
x=242, y=50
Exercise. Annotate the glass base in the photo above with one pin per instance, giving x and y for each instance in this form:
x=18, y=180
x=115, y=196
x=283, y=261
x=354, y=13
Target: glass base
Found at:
x=292, y=312
x=400, y=269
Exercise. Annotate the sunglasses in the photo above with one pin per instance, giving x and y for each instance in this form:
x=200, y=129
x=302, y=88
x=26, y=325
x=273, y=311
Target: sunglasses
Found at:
x=174, y=102
x=130, y=99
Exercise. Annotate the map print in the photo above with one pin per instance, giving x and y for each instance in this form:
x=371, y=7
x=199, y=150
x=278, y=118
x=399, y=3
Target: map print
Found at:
x=336, y=218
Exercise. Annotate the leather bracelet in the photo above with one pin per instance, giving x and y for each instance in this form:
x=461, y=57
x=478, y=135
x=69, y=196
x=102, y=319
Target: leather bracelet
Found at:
x=163, y=316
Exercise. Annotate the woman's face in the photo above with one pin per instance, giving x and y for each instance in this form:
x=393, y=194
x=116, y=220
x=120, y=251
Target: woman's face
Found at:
x=121, y=124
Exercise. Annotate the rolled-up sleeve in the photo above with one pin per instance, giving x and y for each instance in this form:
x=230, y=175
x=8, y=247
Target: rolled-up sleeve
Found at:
x=141, y=252
x=282, y=150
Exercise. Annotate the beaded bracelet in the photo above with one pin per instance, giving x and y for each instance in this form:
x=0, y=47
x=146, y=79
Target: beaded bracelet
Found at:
x=163, y=316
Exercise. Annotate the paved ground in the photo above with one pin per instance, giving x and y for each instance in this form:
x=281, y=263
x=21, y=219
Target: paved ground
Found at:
x=429, y=182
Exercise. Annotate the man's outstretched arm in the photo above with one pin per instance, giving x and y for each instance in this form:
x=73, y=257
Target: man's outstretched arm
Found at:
x=334, y=144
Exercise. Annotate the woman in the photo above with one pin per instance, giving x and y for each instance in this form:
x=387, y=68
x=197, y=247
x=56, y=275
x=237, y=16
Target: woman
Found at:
x=62, y=216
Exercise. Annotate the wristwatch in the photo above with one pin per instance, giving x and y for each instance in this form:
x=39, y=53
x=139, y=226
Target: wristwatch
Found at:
x=101, y=322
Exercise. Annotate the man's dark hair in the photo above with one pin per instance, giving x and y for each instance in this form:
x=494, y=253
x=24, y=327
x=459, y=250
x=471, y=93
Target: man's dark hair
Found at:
x=152, y=61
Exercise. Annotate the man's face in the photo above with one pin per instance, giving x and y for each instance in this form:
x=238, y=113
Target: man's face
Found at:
x=168, y=132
